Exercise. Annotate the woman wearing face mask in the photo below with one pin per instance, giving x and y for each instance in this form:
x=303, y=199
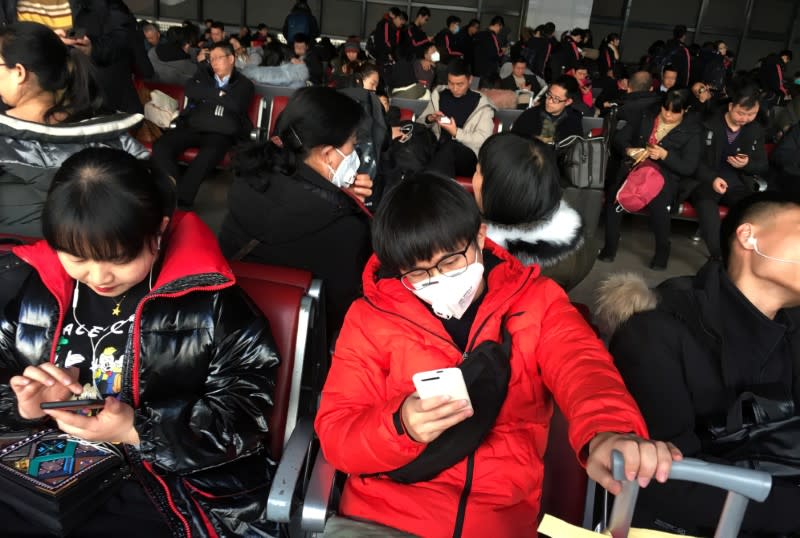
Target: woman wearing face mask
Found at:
x=126, y=301
x=674, y=145
x=436, y=290
x=414, y=79
x=296, y=200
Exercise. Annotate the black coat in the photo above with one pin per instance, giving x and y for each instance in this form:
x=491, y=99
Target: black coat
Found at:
x=202, y=88
x=673, y=361
x=542, y=52
x=713, y=139
x=301, y=221
x=637, y=103
x=117, y=47
x=449, y=46
x=199, y=374
x=509, y=83
x=529, y=123
x=682, y=144
x=486, y=54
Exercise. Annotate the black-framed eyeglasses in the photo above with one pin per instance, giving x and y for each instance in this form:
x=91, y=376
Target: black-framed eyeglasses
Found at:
x=450, y=266
x=554, y=99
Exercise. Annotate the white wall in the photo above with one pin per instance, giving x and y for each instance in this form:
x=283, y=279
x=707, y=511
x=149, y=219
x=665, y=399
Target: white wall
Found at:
x=566, y=14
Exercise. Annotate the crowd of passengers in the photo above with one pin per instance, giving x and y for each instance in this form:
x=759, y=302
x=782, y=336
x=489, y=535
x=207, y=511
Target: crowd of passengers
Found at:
x=122, y=293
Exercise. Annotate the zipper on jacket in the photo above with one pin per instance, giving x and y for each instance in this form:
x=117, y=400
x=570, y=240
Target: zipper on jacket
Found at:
x=462, y=502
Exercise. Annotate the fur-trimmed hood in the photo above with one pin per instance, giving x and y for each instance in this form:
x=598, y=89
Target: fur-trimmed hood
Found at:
x=544, y=243
x=619, y=297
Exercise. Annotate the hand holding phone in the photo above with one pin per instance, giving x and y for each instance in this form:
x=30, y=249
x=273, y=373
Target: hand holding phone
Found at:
x=76, y=33
x=444, y=120
x=74, y=405
x=444, y=382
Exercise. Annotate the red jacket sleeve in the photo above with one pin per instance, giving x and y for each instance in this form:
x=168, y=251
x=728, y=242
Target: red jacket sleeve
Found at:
x=354, y=422
x=581, y=375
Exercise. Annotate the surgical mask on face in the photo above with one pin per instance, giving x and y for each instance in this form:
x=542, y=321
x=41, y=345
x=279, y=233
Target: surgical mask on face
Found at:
x=456, y=29
x=450, y=296
x=753, y=241
x=435, y=57
x=345, y=173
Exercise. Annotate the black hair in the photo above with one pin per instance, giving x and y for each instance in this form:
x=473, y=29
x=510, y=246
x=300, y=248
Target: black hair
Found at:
x=423, y=12
x=314, y=116
x=640, y=81
x=473, y=22
x=208, y=21
x=300, y=37
x=520, y=179
x=786, y=52
x=613, y=36
x=423, y=49
x=670, y=67
x=679, y=31
x=218, y=25
x=403, y=15
x=751, y=208
x=105, y=205
x=426, y=214
x=225, y=45
x=497, y=19
x=452, y=19
x=395, y=11
x=570, y=84
x=519, y=60
x=578, y=32
x=743, y=93
x=63, y=71
x=458, y=68
x=549, y=28
x=582, y=64
x=364, y=70
x=261, y=26
x=675, y=101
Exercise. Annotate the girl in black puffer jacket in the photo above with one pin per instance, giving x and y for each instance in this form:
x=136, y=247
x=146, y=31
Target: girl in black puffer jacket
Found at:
x=125, y=301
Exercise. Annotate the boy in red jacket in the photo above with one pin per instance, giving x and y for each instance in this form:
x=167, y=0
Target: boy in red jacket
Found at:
x=434, y=290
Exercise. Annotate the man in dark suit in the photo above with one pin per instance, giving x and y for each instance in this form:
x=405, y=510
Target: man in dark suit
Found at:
x=214, y=119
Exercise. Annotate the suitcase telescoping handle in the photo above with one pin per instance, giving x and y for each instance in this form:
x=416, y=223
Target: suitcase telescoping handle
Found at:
x=743, y=485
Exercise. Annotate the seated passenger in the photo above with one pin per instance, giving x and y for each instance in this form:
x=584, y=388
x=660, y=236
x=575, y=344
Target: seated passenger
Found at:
x=291, y=204
x=414, y=79
x=519, y=81
x=214, y=119
x=304, y=53
x=171, y=60
x=47, y=88
x=184, y=363
x=674, y=146
x=461, y=119
x=436, y=292
x=733, y=152
x=556, y=119
x=517, y=187
x=690, y=348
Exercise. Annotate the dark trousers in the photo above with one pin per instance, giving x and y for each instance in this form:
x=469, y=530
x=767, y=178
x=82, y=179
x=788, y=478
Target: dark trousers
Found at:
x=452, y=158
x=657, y=211
x=126, y=513
x=212, y=147
x=706, y=201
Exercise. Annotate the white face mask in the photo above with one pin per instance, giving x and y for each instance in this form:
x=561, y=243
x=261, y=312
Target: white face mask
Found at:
x=754, y=242
x=450, y=296
x=435, y=57
x=345, y=173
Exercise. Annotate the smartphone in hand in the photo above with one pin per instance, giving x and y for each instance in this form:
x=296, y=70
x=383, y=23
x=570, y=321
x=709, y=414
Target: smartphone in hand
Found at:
x=444, y=120
x=74, y=405
x=444, y=382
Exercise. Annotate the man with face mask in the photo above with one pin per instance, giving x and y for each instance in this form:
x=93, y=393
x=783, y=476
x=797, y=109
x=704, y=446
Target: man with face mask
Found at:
x=415, y=79
x=690, y=348
x=437, y=289
x=446, y=40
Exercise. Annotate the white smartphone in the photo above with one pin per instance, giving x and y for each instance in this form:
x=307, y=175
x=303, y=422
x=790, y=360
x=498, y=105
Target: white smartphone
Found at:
x=444, y=120
x=444, y=382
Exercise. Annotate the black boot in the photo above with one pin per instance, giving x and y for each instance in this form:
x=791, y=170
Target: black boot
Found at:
x=661, y=257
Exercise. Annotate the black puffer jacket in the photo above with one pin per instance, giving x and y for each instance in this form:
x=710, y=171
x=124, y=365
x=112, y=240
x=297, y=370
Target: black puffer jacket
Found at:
x=685, y=351
x=31, y=153
x=301, y=221
x=199, y=374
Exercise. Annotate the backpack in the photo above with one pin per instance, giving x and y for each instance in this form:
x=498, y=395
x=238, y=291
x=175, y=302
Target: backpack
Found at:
x=643, y=184
x=296, y=23
x=582, y=161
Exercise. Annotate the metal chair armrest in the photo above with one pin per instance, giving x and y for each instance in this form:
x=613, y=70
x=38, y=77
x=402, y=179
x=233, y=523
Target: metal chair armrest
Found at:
x=290, y=469
x=318, y=495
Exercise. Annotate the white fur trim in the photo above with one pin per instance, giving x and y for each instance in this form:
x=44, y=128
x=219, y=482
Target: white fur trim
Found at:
x=560, y=229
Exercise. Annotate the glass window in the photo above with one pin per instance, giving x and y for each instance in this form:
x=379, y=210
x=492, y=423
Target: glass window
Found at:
x=178, y=9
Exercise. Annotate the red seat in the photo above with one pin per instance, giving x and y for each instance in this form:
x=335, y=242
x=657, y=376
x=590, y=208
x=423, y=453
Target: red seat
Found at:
x=687, y=211
x=176, y=91
x=406, y=114
x=278, y=104
x=288, y=309
x=596, y=132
